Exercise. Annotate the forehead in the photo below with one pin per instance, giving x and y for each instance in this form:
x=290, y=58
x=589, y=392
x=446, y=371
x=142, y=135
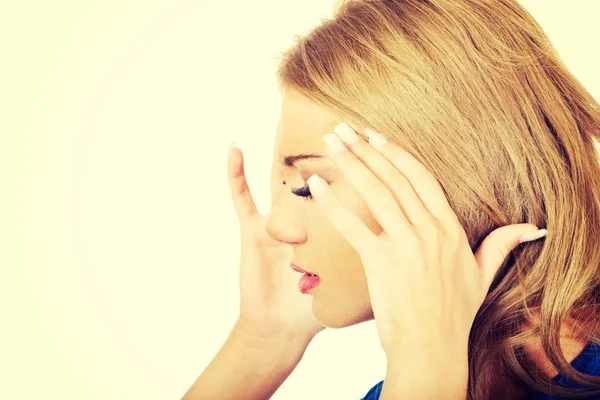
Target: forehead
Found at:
x=303, y=124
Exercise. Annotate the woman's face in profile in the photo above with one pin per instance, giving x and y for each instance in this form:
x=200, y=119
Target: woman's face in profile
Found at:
x=341, y=298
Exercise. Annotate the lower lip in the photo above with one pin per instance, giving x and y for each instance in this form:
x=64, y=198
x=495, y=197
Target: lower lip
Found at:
x=308, y=282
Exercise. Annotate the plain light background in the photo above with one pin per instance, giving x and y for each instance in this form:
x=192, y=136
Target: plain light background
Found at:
x=119, y=244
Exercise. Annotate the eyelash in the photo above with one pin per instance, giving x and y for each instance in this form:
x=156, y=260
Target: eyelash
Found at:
x=301, y=192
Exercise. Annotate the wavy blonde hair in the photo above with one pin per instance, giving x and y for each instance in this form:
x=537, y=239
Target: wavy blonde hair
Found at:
x=475, y=90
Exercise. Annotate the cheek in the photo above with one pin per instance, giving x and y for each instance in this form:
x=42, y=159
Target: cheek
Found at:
x=330, y=243
x=343, y=299
x=339, y=261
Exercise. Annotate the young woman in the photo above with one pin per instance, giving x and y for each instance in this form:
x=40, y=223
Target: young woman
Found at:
x=457, y=130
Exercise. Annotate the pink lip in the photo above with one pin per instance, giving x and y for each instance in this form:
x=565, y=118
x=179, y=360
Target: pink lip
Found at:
x=308, y=282
x=298, y=269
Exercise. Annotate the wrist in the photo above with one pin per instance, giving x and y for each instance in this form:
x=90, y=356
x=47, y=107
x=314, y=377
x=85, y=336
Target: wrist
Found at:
x=272, y=332
x=278, y=347
x=252, y=363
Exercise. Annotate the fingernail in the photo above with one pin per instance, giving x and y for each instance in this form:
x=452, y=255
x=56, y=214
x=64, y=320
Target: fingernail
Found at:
x=528, y=237
x=346, y=133
x=316, y=184
x=334, y=144
x=233, y=144
x=376, y=139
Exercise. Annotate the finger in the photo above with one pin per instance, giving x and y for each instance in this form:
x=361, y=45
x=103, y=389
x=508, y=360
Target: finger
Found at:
x=496, y=247
x=371, y=189
x=348, y=224
x=422, y=180
x=238, y=185
x=413, y=209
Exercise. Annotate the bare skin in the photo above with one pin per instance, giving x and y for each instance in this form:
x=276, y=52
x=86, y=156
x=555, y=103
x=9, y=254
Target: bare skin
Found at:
x=342, y=298
x=276, y=322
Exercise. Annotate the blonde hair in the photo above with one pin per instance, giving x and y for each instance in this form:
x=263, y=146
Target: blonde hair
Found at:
x=475, y=90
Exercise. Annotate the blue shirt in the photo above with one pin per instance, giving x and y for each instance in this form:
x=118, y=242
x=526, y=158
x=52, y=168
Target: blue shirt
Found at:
x=587, y=362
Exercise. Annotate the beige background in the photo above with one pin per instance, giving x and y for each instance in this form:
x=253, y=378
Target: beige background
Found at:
x=118, y=240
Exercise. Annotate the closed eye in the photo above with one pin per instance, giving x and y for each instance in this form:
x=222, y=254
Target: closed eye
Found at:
x=302, y=192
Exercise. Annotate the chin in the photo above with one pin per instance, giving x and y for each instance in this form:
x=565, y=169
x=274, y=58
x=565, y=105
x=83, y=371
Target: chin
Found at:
x=341, y=315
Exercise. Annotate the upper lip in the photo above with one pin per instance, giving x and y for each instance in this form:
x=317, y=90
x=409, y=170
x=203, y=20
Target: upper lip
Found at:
x=298, y=269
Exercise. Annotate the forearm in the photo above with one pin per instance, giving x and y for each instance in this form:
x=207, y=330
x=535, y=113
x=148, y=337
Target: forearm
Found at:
x=248, y=367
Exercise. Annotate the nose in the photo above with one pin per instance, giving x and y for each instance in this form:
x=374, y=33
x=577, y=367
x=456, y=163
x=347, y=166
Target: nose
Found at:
x=285, y=224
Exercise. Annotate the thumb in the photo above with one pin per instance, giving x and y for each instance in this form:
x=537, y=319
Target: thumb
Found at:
x=497, y=246
x=238, y=185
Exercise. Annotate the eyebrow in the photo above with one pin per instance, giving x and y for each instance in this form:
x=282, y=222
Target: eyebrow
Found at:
x=290, y=160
